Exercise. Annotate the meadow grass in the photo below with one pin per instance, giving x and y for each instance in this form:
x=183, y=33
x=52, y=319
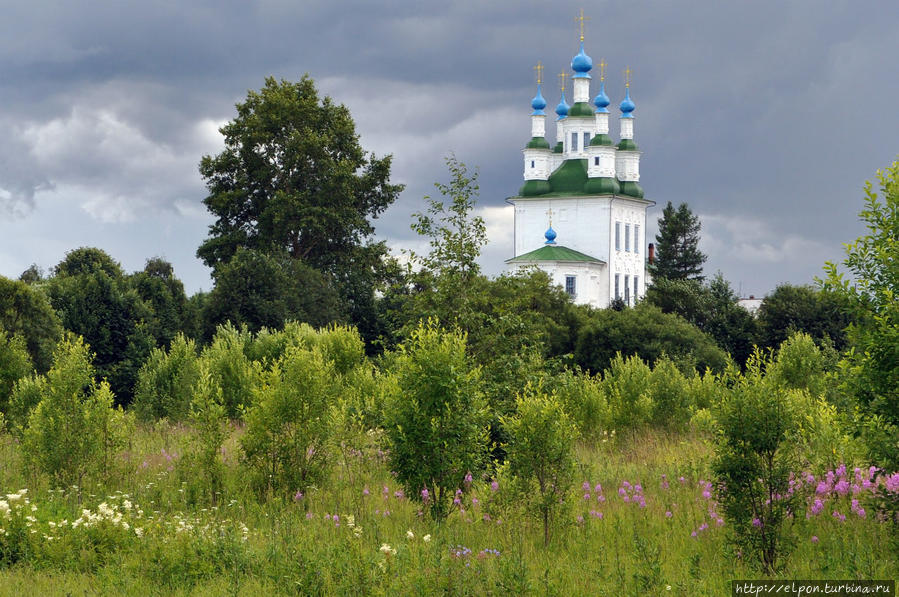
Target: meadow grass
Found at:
x=641, y=520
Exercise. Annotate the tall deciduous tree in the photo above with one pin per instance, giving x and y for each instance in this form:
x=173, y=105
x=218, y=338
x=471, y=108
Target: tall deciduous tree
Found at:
x=293, y=179
x=873, y=365
x=26, y=311
x=677, y=245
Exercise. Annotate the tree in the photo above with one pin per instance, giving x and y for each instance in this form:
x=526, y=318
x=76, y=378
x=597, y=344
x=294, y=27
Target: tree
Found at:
x=14, y=365
x=164, y=294
x=711, y=307
x=74, y=430
x=821, y=314
x=455, y=236
x=436, y=418
x=648, y=333
x=288, y=426
x=25, y=310
x=754, y=465
x=293, y=179
x=95, y=300
x=872, y=364
x=259, y=290
x=677, y=245
x=541, y=453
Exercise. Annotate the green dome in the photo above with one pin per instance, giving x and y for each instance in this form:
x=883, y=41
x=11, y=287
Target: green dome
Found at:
x=532, y=188
x=631, y=189
x=569, y=177
x=602, y=186
x=558, y=147
x=581, y=109
x=627, y=145
x=537, y=143
x=601, y=139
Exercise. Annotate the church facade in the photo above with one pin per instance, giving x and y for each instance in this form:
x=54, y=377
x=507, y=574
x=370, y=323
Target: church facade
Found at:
x=580, y=215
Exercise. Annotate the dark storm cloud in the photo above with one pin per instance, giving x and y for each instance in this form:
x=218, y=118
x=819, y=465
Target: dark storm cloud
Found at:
x=766, y=117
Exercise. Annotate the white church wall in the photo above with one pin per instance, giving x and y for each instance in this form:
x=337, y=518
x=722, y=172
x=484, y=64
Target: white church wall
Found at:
x=591, y=280
x=628, y=251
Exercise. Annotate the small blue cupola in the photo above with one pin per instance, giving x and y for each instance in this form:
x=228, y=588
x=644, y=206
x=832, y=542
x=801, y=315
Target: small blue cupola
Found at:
x=602, y=101
x=538, y=103
x=627, y=105
x=550, y=236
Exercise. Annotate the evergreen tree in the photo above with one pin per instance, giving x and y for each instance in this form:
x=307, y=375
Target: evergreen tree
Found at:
x=677, y=245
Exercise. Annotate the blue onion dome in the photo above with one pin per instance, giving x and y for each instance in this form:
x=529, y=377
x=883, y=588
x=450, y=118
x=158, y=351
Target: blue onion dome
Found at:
x=602, y=100
x=538, y=103
x=581, y=63
x=562, y=108
x=550, y=236
x=627, y=105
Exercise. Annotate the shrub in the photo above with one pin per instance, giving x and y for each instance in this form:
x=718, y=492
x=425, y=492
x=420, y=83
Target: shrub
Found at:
x=583, y=399
x=166, y=381
x=230, y=368
x=541, y=453
x=74, y=429
x=753, y=466
x=626, y=384
x=207, y=416
x=435, y=421
x=288, y=426
x=670, y=396
x=14, y=365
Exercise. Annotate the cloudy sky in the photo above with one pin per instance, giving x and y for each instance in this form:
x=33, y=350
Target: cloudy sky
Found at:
x=765, y=116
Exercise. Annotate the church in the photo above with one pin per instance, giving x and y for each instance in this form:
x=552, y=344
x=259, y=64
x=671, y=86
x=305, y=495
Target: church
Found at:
x=580, y=215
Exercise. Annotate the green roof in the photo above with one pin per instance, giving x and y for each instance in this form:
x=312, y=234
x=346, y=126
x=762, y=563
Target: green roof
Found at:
x=601, y=139
x=555, y=253
x=627, y=145
x=569, y=177
x=581, y=109
x=537, y=143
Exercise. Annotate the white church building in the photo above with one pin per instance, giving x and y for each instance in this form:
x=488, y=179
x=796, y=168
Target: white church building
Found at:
x=581, y=215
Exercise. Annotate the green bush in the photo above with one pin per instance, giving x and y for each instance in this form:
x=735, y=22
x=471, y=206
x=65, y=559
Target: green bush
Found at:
x=15, y=364
x=226, y=360
x=753, y=465
x=627, y=385
x=74, y=431
x=583, y=399
x=204, y=461
x=541, y=453
x=670, y=395
x=435, y=421
x=288, y=425
x=166, y=381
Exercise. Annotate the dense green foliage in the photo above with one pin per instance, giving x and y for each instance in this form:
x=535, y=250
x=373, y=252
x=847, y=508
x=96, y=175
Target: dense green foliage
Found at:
x=25, y=310
x=822, y=314
x=872, y=365
x=649, y=333
x=74, y=430
x=754, y=465
x=435, y=421
x=95, y=300
x=258, y=290
x=677, y=245
x=294, y=181
x=540, y=453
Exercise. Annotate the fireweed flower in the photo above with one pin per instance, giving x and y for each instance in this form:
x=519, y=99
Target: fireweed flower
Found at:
x=494, y=486
x=425, y=495
x=586, y=485
x=756, y=523
x=814, y=538
x=468, y=479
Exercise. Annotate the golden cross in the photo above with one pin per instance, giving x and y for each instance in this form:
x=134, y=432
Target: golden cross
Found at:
x=562, y=76
x=549, y=212
x=627, y=76
x=539, y=70
x=580, y=20
x=602, y=69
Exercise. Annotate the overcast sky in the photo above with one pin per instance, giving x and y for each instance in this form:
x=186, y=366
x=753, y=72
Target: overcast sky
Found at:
x=765, y=116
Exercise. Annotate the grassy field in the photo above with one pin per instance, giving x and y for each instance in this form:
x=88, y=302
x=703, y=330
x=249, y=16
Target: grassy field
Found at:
x=642, y=520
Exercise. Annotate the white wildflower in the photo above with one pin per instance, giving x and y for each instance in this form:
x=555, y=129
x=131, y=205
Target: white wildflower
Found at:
x=410, y=535
x=426, y=538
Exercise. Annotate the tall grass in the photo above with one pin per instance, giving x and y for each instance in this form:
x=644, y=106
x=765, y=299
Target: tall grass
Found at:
x=641, y=519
